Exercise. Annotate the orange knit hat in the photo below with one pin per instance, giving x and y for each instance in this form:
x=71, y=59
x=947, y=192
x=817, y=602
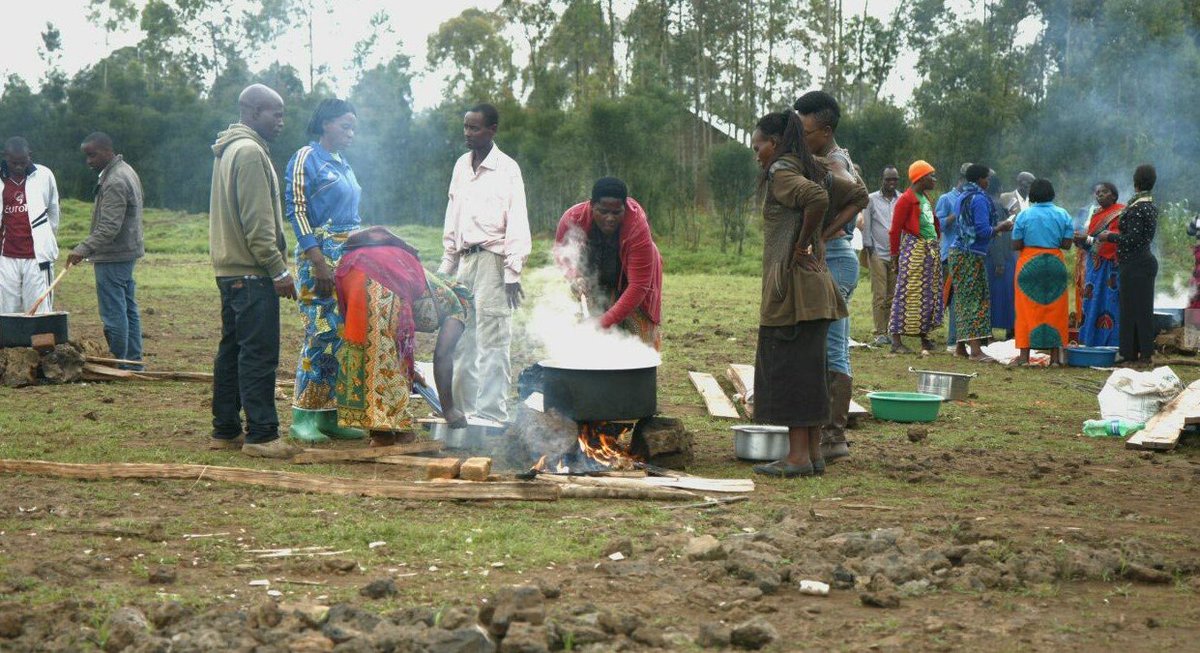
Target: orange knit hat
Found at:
x=918, y=169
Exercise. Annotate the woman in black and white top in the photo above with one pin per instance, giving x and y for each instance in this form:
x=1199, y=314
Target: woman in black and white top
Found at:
x=1137, y=269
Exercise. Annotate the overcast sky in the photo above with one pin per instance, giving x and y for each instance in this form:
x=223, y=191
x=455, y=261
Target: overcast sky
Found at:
x=412, y=22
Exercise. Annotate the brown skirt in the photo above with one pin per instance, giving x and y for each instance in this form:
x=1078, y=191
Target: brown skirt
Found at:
x=789, y=375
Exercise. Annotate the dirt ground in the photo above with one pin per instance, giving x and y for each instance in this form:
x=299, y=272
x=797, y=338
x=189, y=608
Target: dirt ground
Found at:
x=1003, y=529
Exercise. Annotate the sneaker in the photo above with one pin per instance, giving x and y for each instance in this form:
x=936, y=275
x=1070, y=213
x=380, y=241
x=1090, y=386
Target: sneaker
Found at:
x=225, y=444
x=276, y=448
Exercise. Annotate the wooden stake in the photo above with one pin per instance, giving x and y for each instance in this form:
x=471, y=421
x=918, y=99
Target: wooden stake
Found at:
x=572, y=491
x=366, y=453
x=509, y=491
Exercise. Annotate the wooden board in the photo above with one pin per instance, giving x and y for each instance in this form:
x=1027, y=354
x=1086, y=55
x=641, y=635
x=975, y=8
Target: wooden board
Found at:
x=294, y=481
x=733, y=485
x=366, y=453
x=714, y=397
x=856, y=409
x=1162, y=431
x=742, y=378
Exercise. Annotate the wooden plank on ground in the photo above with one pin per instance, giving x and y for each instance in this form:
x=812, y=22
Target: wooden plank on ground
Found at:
x=295, y=481
x=365, y=453
x=856, y=409
x=714, y=397
x=1162, y=430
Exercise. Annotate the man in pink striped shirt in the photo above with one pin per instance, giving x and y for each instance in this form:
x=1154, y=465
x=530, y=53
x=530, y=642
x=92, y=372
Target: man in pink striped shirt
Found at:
x=486, y=241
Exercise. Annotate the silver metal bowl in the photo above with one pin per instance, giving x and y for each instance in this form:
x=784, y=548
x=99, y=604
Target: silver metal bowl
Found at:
x=760, y=442
x=947, y=385
x=479, y=435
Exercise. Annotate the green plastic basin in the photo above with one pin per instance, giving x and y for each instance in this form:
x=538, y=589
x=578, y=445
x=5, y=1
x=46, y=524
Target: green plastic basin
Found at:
x=905, y=406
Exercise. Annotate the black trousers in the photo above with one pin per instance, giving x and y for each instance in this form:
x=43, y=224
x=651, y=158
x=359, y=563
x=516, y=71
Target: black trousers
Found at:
x=1136, y=304
x=247, y=360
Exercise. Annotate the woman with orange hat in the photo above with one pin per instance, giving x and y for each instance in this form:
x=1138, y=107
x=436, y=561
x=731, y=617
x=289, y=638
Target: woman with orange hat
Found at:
x=917, y=302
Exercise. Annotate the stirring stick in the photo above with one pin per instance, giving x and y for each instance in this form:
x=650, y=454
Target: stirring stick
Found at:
x=33, y=309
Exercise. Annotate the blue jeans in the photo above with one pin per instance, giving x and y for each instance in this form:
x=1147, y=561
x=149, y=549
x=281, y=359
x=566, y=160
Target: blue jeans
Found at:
x=247, y=359
x=116, y=293
x=843, y=265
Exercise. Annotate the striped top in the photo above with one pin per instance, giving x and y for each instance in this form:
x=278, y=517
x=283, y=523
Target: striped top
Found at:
x=319, y=189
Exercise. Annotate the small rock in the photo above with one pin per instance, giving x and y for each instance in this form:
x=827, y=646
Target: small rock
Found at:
x=843, y=579
x=125, y=627
x=91, y=415
x=169, y=613
x=1144, y=574
x=455, y=617
x=705, y=547
x=649, y=636
x=162, y=576
x=340, y=564
x=550, y=589
x=623, y=545
x=618, y=624
x=244, y=568
x=714, y=635
x=309, y=642
x=933, y=625
x=524, y=638
x=516, y=603
x=312, y=614
x=881, y=599
x=10, y=624
x=917, y=433
x=379, y=588
x=754, y=634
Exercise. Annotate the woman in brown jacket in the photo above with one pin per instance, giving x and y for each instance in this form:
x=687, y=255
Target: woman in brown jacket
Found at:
x=799, y=297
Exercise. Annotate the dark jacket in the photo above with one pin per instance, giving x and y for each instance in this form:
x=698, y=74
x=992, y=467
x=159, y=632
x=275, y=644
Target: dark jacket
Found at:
x=116, y=234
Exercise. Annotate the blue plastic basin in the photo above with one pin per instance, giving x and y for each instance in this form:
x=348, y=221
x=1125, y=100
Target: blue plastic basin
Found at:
x=1091, y=356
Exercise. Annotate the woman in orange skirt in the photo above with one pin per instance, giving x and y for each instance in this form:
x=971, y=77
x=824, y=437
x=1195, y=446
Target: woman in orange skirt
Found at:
x=1040, y=235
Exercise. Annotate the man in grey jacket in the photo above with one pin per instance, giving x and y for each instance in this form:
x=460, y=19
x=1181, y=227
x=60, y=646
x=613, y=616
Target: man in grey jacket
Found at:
x=114, y=246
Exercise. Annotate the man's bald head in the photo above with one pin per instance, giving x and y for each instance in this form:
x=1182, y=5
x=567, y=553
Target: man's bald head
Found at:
x=1024, y=180
x=261, y=109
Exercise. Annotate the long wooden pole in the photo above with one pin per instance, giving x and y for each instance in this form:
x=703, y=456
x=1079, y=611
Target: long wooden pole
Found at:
x=508, y=491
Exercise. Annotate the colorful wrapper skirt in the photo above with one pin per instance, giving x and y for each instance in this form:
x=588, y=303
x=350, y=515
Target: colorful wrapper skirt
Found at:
x=317, y=367
x=1099, y=324
x=1043, y=307
x=917, y=305
x=972, y=308
x=375, y=379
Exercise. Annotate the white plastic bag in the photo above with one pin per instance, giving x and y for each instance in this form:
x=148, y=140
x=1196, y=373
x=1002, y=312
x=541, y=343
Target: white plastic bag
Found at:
x=1137, y=396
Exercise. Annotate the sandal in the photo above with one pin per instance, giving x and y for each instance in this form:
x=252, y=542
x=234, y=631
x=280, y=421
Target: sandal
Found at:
x=781, y=469
x=901, y=349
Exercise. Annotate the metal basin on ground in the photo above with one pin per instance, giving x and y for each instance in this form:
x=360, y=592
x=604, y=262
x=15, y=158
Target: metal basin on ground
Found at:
x=947, y=385
x=760, y=442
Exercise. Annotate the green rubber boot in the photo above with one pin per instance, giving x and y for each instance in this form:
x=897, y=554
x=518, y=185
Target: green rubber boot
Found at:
x=305, y=427
x=328, y=424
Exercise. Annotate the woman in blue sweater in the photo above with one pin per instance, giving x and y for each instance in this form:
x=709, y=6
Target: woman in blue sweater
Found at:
x=968, y=274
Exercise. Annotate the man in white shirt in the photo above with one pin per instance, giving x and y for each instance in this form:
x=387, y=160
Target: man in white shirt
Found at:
x=28, y=243
x=877, y=255
x=486, y=241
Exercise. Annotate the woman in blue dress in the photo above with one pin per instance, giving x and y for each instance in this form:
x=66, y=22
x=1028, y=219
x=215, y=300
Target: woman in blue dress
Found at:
x=321, y=198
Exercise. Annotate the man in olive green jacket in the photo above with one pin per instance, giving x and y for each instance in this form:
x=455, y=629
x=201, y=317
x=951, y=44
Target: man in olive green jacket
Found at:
x=249, y=258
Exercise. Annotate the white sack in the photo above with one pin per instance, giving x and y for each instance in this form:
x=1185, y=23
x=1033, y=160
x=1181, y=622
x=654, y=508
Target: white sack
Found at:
x=1137, y=396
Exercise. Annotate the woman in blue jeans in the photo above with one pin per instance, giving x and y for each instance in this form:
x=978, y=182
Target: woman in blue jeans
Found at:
x=847, y=198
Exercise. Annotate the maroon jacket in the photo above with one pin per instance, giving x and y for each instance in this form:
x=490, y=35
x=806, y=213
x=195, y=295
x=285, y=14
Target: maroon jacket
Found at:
x=640, y=284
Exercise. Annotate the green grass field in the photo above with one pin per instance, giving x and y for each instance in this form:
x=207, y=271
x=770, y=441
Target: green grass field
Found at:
x=975, y=462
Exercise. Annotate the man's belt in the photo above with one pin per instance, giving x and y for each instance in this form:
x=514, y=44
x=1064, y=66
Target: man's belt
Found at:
x=473, y=249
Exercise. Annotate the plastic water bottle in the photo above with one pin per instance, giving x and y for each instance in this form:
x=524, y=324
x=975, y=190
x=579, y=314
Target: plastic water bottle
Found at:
x=1116, y=428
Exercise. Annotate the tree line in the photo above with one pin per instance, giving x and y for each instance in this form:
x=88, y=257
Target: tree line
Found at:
x=1072, y=90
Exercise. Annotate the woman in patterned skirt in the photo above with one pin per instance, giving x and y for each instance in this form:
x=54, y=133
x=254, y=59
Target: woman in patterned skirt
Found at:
x=917, y=302
x=968, y=274
x=385, y=297
x=321, y=197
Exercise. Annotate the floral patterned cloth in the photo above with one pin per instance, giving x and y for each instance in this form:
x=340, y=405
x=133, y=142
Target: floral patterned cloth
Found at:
x=317, y=368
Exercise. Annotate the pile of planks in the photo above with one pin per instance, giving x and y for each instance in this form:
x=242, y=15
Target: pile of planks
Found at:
x=1163, y=430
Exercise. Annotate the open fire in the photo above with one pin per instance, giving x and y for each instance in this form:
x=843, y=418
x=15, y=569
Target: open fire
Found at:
x=602, y=446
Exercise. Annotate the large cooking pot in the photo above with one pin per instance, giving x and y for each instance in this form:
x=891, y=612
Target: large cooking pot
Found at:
x=18, y=329
x=592, y=394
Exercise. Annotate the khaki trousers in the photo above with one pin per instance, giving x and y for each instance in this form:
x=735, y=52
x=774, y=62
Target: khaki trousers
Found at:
x=883, y=287
x=481, y=362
